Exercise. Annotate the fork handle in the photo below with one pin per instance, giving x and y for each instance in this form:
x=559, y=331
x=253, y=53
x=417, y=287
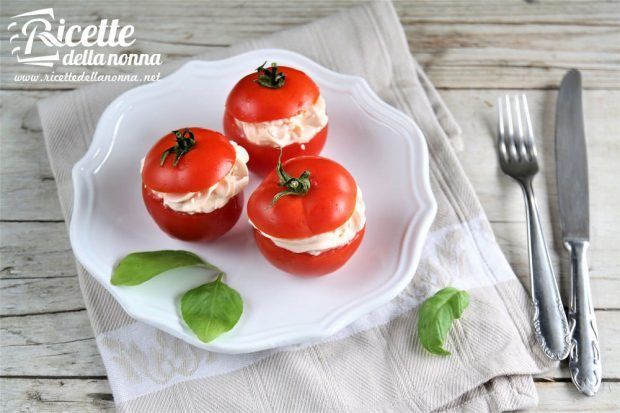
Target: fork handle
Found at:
x=584, y=361
x=550, y=325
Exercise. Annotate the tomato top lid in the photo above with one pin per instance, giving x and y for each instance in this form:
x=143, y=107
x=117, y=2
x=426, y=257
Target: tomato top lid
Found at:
x=188, y=160
x=327, y=203
x=271, y=93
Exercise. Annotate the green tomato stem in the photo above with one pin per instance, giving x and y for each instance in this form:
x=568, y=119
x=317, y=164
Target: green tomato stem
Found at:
x=270, y=77
x=293, y=186
x=185, y=142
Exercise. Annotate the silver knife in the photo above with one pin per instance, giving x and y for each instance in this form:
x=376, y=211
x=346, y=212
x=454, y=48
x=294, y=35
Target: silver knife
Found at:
x=572, y=178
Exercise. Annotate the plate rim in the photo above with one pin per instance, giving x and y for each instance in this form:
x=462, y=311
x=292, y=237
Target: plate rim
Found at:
x=413, y=238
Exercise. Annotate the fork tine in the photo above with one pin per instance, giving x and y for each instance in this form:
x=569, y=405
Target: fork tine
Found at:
x=511, y=148
x=519, y=137
x=529, y=134
x=501, y=132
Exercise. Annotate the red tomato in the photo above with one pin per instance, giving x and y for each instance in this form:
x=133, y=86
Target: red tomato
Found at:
x=264, y=158
x=328, y=203
x=196, y=160
x=306, y=264
x=209, y=160
x=193, y=227
x=249, y=101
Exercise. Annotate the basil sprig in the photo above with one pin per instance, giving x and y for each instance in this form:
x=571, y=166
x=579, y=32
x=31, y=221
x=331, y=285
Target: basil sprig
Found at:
x=139, y=267
x=436, y=316
x=209, y=310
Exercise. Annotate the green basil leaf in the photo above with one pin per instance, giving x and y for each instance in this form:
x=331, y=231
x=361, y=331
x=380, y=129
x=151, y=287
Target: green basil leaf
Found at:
x=139, y=267
x=211, y=309
x=436, y=316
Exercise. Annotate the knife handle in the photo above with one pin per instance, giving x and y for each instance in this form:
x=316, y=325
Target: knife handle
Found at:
x=585, y=358
x=550, y=324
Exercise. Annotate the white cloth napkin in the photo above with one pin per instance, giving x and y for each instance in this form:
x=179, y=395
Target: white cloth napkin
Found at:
x=376, y=364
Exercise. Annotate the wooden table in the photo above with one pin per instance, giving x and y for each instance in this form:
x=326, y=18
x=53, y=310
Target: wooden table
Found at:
x=473, y=50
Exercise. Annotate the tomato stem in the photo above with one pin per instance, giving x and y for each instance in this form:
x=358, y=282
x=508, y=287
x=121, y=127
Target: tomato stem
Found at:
x=294, y=186
x=270, y=77
x=185, y=142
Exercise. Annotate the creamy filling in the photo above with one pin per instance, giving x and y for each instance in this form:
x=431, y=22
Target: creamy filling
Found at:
x=214, y=197
x=299, y=128
x=326, y=241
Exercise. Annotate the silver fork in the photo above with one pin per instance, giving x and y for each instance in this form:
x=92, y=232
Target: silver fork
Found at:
x=518, y=159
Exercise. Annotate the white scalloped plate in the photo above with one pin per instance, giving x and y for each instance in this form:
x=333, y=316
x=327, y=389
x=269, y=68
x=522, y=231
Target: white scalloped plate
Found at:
x=383, y=149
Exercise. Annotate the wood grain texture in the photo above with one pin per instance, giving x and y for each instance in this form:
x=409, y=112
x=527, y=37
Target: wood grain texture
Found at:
x=54, y=344
x=562, y=398
x=56, y=395
x=35, y=250
x=461, y=44
x=26, y=180
x=472, y=50
x=93, y=395
x=45, y=295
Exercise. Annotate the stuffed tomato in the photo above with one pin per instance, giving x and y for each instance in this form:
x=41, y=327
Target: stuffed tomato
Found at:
x=192, y=183
x=276, y=107
x=308, y=216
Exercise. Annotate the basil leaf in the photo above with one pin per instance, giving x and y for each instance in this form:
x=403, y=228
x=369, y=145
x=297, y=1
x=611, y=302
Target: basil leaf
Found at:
x=211, y=309
x=139, y=267
x=436, y=316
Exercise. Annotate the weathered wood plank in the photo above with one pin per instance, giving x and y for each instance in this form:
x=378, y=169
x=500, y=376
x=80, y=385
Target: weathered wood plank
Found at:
x=40, y=295
x=56, y=395
x=469, y=44
x=590, y=13
x=279, y=12
x=564, y=398
x=35, y=250
x=93, y=395
x=63, y=344
x=26, y=180
x=59, y=344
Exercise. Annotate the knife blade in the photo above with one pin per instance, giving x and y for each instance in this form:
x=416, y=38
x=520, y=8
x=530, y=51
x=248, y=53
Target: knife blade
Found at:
x=572, y=185
x=571, y=160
